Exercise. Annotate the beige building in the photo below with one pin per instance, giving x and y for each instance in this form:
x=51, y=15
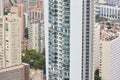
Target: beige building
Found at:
x=36, y=13
x=96, y=45
x=11, y=67
x=19, y=72
x=12, y=40
x=36, y=37
x=19, y=10
x=105, y=60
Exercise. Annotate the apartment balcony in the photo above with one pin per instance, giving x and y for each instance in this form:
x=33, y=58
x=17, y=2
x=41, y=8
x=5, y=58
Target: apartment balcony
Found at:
x=66, y=26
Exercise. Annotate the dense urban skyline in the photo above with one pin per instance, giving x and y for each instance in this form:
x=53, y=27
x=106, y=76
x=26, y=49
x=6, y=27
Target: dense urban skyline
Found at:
x=59, y=39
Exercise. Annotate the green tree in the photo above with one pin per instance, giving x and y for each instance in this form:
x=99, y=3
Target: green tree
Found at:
x=109, y=25
x=35, y=59
x=96, y=75
x=36, y=64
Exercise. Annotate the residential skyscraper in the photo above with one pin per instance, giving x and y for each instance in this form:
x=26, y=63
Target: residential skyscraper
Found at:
x=114, y=59
x=12, y=40
x=36, y=36
x=19, y=10
x=87, y=39
x=63, y=31
x=10, y=36
x=35, y=14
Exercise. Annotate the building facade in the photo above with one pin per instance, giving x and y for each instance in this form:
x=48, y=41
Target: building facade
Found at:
x=114, y=59
x=110, y=11
x=87, y=39
x=19, y=72
x=96, y=46
x=105, y=60
x=63, y=49
x=36, y=37
x=2, y=44
x=36, y=13
x=19, y=10
x=10, y=36
x=12, y=40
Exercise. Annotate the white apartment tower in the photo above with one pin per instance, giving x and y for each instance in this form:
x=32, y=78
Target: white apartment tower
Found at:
x=87, y=39
x=12, y=40
x=36, y=36
x=64, y=26
x=115, y=59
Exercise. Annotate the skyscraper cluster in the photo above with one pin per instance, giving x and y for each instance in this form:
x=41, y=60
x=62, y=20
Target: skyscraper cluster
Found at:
x=80, y=37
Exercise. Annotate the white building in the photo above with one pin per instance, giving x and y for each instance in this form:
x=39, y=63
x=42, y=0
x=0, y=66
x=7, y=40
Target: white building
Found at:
x=10, y=43
x=63, y=30
x=115, y=2
x=87, y=39
x=36, y=37
x=115, y=59
x=109, y=59
x=96, y=45
x=12, y=40
x=101, y=1
x=109, y=11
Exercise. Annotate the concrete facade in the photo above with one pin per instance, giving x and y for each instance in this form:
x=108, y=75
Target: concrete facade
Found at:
x=19, y=72
x=36, y=39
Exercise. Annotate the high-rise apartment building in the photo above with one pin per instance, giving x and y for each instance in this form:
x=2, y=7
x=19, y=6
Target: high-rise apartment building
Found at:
x=10, y=49
x=114, y=59
x=64, y=23
x=19, y=10
x=109, y=65
x=12, y=40
x=105, y=60
x=87, y=39
x=35, y=14
x=96, y=46
x=10, y=36
x=36, y=37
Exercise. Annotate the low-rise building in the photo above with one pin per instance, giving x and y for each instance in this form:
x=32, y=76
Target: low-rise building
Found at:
x=19, y=72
